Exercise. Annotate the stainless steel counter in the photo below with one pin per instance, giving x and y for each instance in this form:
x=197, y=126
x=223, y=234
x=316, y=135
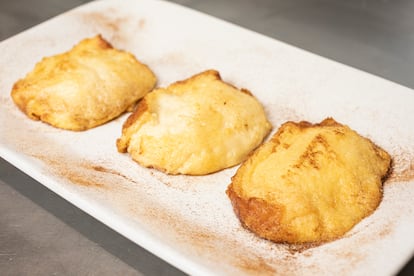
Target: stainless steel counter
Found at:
x=42, y=234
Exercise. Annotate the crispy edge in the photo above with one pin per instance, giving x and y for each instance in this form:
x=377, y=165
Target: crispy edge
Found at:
x=209, y=73
x=261, y=217
x=102, y=42
x=127, y=128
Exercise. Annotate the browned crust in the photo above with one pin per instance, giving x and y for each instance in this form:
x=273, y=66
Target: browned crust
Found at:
x=104, y=44
x=305, y=124
x=215, y=75
x=211, y=72
x=246, y=91
x=261, y=217
x=20, y=85
x=140, y=109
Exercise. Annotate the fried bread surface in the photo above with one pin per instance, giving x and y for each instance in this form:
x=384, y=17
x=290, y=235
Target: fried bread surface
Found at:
x=310, y=183
x=196, y=126
x=87, y=86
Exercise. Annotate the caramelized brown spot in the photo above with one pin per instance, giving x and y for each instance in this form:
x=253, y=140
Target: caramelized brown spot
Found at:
x=312, y=153
x=103, y=44
x=246, y=91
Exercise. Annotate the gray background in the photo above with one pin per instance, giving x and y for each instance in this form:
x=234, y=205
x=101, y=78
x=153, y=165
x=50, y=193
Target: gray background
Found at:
x=42, y=234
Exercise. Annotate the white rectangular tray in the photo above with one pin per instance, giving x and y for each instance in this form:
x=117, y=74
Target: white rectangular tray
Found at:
x=188, y=221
